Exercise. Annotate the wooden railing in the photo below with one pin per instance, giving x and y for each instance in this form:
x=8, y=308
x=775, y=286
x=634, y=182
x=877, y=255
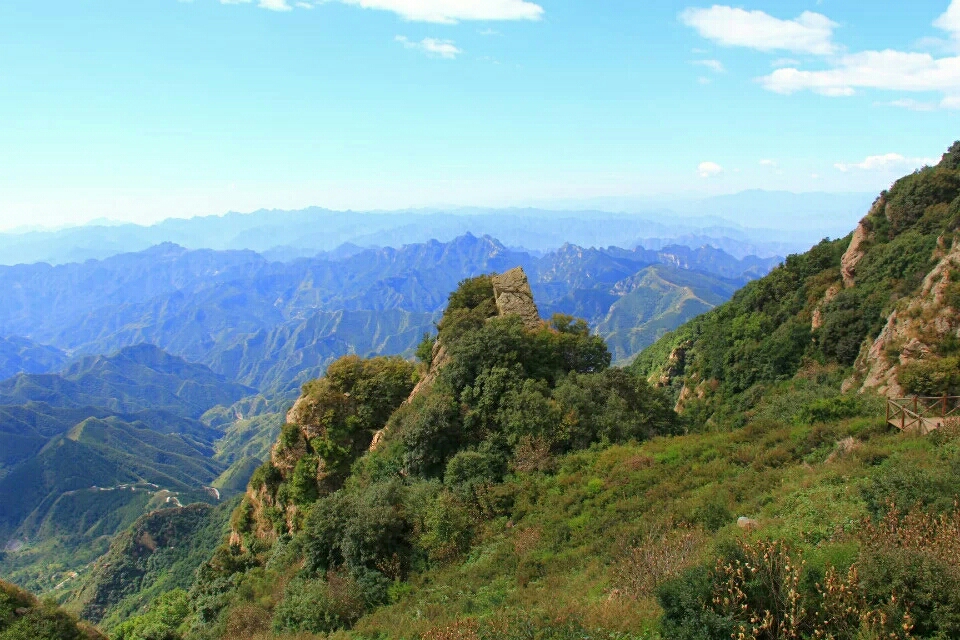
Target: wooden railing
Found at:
x=923, y=414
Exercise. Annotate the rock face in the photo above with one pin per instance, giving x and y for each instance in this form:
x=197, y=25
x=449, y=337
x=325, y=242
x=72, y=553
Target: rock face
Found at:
x=817, y=320
x=514, y=297
x=854, y=254
x=912, y=331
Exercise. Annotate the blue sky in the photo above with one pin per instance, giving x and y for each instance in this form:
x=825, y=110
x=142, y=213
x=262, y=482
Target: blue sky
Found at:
x=145, y=109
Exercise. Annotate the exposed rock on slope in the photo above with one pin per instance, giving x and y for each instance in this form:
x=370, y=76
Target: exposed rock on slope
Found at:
x=883, y=301
x=913, y=330
x=855, y=253
x=330, y=426
x=514, y=297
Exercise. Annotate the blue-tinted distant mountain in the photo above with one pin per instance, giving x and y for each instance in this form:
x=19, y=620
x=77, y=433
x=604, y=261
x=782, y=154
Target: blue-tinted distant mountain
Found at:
x=753, y=222
x=19, y=355
x=134, y=379
x=270, y=324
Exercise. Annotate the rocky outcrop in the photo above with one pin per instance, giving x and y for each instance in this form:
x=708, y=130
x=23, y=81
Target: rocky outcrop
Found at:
x=817, y=320
x=912, y=331
x=674, y=367
x=514, y=296
x=854, y=254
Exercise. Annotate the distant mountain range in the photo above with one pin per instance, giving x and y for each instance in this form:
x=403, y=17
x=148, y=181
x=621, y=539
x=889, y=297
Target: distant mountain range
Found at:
x=750, y=223
x=273, y=325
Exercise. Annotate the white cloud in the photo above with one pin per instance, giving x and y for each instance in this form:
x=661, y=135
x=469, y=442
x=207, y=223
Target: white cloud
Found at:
x=709, y=169
x=950, y=102
x=808, y=33
x=432, y=47
x=891, y=70
x=704, y=80
x=453, y=11
x=713, y=65
x=885, y=162
x=910, y=104
x=950, y=20
x=766, y=162
x=845, y=74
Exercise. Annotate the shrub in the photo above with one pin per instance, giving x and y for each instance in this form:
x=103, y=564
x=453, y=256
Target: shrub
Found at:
x=161, y=622
x=303, y=482
x=687, y=612
x=469, y=469
x=612, y=406
x=319, y=606
x=661, y=556
x=931, y=376
x=360, y=529
x=448, y=528
x=424, y=351
x=830, y=410
x=916, y=557
x=430, y=430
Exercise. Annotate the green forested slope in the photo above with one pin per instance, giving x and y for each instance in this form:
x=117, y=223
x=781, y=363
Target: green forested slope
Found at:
x=86, y=452
x=826, y=307
x=158, y=553
x=23, y=617
x=527, y=490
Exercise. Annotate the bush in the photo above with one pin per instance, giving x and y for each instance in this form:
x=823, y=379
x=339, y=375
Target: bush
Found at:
x=361, y=529
x=830, y=410
x=612, y=406
x=916, y=557
x=469, y=469
x=687, y=611
x=849, y=319
x=931, y=376
x=431, y=432
x=303, y=483
x=161, y=622
x=319, y=606
x=424, y=351
x=448, y=528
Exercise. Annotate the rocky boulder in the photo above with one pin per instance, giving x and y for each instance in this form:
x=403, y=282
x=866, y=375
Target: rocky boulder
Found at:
x=514, y=296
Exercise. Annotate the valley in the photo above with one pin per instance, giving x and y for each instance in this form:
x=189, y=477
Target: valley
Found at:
x=513, y=484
